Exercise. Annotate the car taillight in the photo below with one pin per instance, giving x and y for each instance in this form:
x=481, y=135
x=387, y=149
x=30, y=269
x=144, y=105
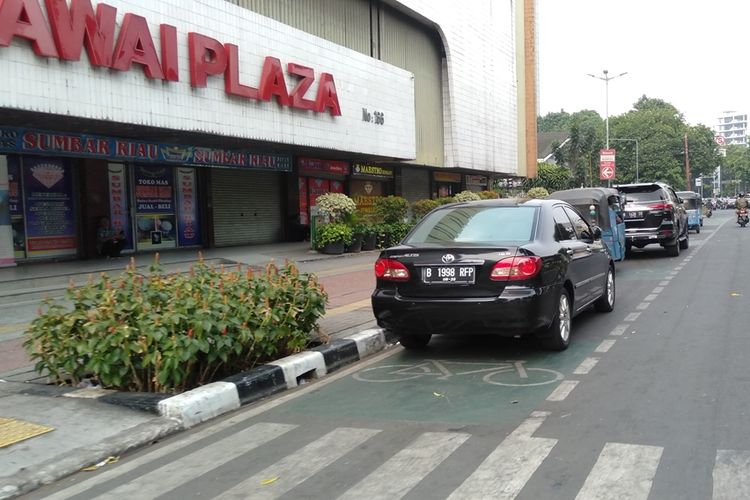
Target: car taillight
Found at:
x=516, y=268
x=391, y=270
x=660, y=206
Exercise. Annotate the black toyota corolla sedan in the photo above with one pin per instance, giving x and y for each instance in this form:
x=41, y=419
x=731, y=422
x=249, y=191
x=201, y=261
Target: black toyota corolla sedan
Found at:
x=494, y=266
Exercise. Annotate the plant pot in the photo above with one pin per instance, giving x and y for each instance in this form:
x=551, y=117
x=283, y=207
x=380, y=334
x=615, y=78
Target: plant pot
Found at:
x=333, y=248
x=369, y=241
x=356, y=244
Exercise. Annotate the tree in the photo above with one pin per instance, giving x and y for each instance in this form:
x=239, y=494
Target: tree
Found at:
x=551, y=177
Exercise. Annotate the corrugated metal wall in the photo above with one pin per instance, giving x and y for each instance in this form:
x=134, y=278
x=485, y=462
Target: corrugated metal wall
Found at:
x=384, y=34
x=246, y=207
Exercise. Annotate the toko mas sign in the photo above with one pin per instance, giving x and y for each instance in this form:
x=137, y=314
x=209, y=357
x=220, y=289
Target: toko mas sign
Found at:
x=272, y=76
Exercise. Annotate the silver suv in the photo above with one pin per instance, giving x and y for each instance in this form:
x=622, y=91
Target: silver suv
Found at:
x=654, y=215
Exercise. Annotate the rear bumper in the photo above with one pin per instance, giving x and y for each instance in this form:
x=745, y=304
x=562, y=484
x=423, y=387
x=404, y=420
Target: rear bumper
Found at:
x=641, y=237
x=517, y=311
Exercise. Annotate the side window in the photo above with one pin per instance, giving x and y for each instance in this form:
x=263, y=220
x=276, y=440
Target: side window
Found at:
x=582, y=229
x=563, y=227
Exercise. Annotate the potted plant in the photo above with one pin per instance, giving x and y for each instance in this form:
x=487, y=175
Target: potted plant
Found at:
x=359, y=230
x=369, y=237
x=332, y=238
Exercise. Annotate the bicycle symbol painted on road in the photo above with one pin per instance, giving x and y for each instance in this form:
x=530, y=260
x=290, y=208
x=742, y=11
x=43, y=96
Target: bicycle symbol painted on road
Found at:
x=511, y=373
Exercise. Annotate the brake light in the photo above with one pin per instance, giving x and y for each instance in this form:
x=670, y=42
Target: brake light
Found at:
x=391, y=270
x=660, y=206
x=516, y=268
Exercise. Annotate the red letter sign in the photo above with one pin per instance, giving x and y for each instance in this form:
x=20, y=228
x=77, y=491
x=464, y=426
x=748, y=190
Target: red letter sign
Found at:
x=272, y=82
x=169, y=63
x=71, y=28
x=232, y=83
x=207, y=57
x=136, y=45
x=327, y=96
x=24, y=18
x=298, y=92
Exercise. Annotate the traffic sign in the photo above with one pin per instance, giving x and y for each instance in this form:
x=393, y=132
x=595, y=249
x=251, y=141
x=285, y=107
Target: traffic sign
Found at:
x=606, y=164
x=720, y=140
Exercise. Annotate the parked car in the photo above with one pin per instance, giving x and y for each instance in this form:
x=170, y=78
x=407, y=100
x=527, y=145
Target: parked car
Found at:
x=494, y=266
x=654, y=215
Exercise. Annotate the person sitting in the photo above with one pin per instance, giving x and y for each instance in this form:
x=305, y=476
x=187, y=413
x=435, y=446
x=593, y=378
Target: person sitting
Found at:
x=108, y=243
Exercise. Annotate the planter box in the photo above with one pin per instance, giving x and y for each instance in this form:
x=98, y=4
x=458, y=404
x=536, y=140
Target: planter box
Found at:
x=333, y=248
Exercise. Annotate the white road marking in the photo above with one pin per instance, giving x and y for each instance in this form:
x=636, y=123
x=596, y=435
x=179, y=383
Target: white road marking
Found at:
x=293, y=469
x=650, y=297
x=506, y=470
x=622, y=471
x=673, y=273
x=605, y=346
x=658, y=289
x=663, y=283
x=632, y=317
x=668, y=278
x=586, y=366
x=619, y=330
x=643, y=306
x=731, y=475
x=178, y=472
x=390, y=480
x=563, y=390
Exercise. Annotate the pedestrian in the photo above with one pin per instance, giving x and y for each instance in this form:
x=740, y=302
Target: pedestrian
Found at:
x=109, y=244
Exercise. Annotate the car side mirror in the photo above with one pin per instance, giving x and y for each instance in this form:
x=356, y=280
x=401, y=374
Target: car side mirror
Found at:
x=597, y=233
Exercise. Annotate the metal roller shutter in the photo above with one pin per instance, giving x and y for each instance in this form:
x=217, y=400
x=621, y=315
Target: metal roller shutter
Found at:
x=415, y=184
x=246, y=207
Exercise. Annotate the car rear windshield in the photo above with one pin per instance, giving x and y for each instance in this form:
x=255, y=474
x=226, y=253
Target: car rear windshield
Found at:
x=475, y=225
x=645, y=194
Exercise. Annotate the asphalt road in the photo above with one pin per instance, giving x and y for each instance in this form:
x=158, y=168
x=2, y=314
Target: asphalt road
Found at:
x=650, y=401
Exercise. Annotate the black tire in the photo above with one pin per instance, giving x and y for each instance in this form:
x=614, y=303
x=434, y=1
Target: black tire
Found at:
x=698, y=229
x=415, y=341
x=673, y=250
x=606, y=303
x=628, y=249
x=684, y=244
x=557, y=336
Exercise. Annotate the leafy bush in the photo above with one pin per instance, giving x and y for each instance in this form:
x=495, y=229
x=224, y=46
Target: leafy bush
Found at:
x=446, y=200
x=337, y=206
x=331, y=233
x=467, y=196
x=170, y=333
x=391, y=234
x=421, y=208
x=489, y=195
x=391, y=209
x=537, y=192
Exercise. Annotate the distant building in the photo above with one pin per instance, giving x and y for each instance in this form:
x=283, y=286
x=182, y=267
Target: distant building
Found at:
x=733, y=126
x=549, y=142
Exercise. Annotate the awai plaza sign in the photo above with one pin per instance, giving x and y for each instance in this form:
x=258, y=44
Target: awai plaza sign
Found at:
x=234, y=73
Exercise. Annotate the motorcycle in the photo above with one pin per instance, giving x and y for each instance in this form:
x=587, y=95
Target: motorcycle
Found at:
x=742, y=218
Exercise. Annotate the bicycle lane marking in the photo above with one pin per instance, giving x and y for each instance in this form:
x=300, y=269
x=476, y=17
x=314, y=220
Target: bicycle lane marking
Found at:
x=431, y=392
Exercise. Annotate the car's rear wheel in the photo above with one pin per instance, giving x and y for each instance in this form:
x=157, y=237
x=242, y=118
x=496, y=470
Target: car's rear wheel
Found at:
x=415, y=341
x=673, y=250
x=606, y=302
x=557, y=336
x=684, y=244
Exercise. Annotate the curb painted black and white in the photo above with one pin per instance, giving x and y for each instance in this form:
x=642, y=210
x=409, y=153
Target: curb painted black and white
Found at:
x=211, y=400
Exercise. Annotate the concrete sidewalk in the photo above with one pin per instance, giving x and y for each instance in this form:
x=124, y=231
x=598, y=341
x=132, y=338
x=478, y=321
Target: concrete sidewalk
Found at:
x=80, y=427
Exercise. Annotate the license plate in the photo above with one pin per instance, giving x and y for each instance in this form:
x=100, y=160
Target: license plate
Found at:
x=463, y=275
x=634, y=215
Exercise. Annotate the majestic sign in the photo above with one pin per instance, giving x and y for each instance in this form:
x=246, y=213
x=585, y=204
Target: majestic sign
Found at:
x=67, y=30
x=359, y=170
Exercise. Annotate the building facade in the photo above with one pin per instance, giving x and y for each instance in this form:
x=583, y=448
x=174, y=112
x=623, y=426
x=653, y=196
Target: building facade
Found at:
x=217, y=123
x=733, y=127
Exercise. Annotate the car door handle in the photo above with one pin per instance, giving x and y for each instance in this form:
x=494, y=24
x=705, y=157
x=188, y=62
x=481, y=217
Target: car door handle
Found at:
x=569, y=251
x=588, y=248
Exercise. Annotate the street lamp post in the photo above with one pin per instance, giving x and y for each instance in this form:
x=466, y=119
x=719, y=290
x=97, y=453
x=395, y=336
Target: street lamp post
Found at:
x=606, y=78
x=636, y=154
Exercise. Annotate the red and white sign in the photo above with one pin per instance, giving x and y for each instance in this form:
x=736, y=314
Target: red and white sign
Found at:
x=720, y=140
x=606, y=164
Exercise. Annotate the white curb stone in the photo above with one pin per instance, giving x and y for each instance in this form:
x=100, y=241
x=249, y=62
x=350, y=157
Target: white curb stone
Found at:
x=201, y=404
x=369, y=341
x=297, y=365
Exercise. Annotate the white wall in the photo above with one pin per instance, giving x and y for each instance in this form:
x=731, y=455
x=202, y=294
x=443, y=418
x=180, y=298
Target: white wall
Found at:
x=482, y=112
x=76, y=88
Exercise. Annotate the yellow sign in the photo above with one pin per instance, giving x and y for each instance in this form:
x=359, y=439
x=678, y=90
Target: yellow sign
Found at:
x=446, y=177
x=359, y=169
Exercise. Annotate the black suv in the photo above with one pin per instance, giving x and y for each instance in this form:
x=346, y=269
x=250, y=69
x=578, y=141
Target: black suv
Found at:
x=654, y=214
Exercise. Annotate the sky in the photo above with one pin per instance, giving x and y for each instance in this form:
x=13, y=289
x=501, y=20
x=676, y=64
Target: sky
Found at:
x=692, y=54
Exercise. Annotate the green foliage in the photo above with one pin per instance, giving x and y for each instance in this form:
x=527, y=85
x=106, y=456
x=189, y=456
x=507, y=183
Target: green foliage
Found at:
x=332, y=233
x=391, y=234
x=170, y=333
x=337, y=206
x=446, y=200
x=467, y=196
x=538, y=193
x=551, y=177
x=391, y=209
x=422, y=207
x=489, y=195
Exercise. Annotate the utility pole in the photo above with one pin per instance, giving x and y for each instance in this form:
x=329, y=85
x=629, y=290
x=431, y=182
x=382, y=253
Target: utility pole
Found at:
x=688, y=185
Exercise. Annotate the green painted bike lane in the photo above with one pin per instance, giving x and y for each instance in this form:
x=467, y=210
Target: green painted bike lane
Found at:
x=470, y=385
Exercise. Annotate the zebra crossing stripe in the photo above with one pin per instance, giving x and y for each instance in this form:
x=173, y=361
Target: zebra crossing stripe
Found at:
x=292, y=470
x=389, y=482
x=178, y=472
x=506, y=470
x=622, y=471
x=731, y=475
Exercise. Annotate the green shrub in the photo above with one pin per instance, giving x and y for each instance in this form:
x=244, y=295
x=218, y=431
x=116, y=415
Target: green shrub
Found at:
x=391, y=234
x=446, y=200
x=489, y=195
x=537, y=192
x=170, y=333
x=337, y=206
x=422, y=207
x=467, y=196
x=391, y=209
x=331, y=233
